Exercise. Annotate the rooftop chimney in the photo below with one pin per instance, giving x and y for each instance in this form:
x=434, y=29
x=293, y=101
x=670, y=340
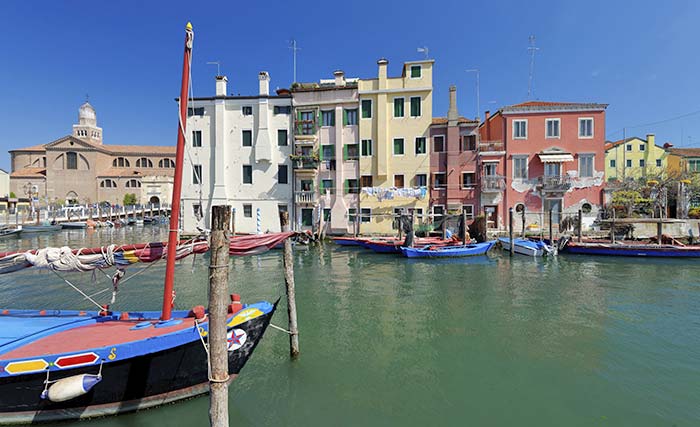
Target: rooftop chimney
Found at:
x=221, y=85
x=452, y=115
x=383, y=62
x=651, y=140
x=339, y=78
x=487, y=114
x=264, y=78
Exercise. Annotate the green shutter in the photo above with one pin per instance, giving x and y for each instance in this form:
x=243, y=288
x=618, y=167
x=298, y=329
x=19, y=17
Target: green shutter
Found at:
x=320, y=155
x=320, y=118
x=345, y=117
x=298, y=121
x=345, y=152
x=347, y=186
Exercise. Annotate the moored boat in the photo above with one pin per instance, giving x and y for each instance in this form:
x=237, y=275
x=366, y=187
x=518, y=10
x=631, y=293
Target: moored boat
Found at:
x=629, y=249
x=6, y=232
x=41, y=228
x=526, y=246
x=74, y=224
x=448, y=251
x=66, y=365
x=347, y=241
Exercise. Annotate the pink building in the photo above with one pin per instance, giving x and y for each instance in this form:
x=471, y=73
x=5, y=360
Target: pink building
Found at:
x=550, y=155
x=453, y=163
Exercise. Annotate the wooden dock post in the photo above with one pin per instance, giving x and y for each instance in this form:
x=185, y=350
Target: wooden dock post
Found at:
x=399, y=221
x=218, y=310
x=510, y=230
x=659, y=231
x=289, y=282
x=463, y=226
x=612, y=227
x=522, y=218
x=580, y=224
x=444, y=225
x=551, y=236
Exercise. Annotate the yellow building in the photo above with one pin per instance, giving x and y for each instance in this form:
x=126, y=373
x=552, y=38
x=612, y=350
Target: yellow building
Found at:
x=395, y=116
x=682, y=160
x=634, y=157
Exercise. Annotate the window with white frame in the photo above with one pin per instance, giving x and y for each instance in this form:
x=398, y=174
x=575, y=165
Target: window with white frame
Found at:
x=328, y=118
x=398, y=147
x=469, y=211
x=551, y=128
x=420, y=145
x=247, y=110
x=658, y=163
x=641, y=147
x=585, y=128
x=468, y=179
x=366, y=148
x=585, y=165
x=415, y=71
x=520, y=167
x=365, y=214
x=628, y=163
x=415, y=106
x=438, y=143
x=398, y=107
x=519, y=129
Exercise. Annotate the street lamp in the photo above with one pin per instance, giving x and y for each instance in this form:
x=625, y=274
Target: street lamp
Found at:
x=478, y=102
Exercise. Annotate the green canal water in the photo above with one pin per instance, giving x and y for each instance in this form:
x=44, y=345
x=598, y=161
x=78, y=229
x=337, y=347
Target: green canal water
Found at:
x=491, y=341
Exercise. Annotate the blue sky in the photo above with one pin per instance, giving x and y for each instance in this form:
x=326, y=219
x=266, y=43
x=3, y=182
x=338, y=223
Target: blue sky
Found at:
x=641, y=57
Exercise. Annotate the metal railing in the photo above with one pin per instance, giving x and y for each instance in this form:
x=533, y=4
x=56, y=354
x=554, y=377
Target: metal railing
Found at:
x=493, y=183
x=305, y=127
x=491, y=146
x=306, y=163
x=554, y=183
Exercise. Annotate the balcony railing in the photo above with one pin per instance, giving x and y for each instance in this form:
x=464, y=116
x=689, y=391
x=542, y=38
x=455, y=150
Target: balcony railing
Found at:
x=554, y=184
x=306, y=163
x=490, y=146
x=305, y=127
x=308, y=197
x=493, y=183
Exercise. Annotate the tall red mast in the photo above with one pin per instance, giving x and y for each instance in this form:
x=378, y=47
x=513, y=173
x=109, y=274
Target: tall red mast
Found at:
x=168, y=293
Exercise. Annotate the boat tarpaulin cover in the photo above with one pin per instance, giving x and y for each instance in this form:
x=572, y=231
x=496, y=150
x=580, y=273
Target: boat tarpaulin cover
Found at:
x=256, y=243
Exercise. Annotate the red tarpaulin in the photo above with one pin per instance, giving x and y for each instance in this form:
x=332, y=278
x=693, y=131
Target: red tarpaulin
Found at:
x=256, y=244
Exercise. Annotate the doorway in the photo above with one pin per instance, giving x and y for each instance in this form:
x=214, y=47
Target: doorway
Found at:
x=491, y=216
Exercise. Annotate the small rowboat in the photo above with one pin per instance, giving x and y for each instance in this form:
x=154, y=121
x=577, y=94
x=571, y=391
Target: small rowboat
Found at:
x=347, y=241
x=527, y=247
x=40, y=228
x=74, y=224
x=393, y=246
x=9, y=232
x=448, y=251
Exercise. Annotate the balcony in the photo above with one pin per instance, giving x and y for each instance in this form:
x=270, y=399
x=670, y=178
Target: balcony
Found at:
x=554, y=184
x=305, y=127
x=493, y=183
x=491, y=147
x=309, y=163
x=305, y=197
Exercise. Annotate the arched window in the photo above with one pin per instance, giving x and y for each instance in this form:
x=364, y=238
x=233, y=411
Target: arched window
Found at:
x=133, y=183
x=108, y=183
x=121, y=162
x=144, y=162
x=166, y=163
x=71, y=160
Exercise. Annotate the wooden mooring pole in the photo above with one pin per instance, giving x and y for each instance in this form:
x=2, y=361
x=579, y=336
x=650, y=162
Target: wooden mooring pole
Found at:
x=218, y=293
x=551, y=236
x=510, y=230
x=580, y=224
x=612, y=227
x=463, y=226
x=289, y=284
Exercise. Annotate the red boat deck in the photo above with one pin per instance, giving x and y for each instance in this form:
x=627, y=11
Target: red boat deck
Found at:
x=109, y=333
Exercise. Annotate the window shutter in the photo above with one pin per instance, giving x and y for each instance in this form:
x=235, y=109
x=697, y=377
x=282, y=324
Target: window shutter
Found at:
x=320, y=155
x=346, y=186
x=345, y=152
x=345, y=117
x=320, y=118
x=298, y=126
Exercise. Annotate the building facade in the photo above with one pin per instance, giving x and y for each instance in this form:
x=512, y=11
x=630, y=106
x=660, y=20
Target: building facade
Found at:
x=395, y=115
x=79, y=168
x=454, y=163
x=238, y=154
x=326, y=154
x=4, y=183
x=550, y=155
x=683, y=160
x=634, y=158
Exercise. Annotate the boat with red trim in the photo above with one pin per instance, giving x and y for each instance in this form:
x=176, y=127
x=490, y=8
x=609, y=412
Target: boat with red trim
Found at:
x=66, y=365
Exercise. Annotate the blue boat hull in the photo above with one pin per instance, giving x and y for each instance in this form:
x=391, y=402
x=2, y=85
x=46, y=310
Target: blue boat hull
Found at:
x=381, y=248
x=448, y=251
x=663, y=251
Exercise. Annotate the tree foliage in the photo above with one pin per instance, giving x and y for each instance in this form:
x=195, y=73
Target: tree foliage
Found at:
x=129, y=199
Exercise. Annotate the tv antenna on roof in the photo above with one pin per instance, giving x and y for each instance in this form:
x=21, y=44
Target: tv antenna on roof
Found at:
x=293, y=46
x=532, y=49
x=218, y=66
x=423, y=50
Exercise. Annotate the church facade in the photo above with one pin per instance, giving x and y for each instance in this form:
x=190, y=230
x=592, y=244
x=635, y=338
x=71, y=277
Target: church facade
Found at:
x=79, y=168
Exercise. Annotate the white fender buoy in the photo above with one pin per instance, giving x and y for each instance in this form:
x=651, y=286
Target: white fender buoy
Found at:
x=72, y=387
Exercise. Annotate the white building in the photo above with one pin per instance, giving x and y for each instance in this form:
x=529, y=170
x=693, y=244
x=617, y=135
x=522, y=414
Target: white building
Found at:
x=238, y=150
x=4, y=183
